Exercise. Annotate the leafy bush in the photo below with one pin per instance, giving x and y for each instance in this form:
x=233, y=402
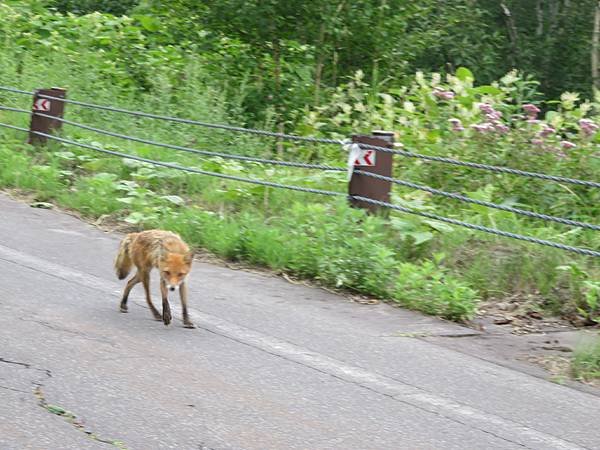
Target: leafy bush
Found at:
x=428, y=287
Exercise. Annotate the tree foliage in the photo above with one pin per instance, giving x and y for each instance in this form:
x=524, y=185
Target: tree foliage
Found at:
x=550, y=39
x=278, y=57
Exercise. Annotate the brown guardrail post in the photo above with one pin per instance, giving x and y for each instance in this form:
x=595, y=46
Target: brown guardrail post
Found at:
x=374, y=162
x=49, y=107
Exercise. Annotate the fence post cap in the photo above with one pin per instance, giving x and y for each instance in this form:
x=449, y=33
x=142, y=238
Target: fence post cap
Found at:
x=387, y=136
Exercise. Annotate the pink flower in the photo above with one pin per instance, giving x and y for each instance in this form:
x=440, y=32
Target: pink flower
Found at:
x=483, y=127
x=494, y=115
x=537, y=142
x=567, y=145
x=486, y=108
x=547, y=131
x=531, y=110
x=588, y=127
x=501, y=128
x=456, y=124
x=444, y=95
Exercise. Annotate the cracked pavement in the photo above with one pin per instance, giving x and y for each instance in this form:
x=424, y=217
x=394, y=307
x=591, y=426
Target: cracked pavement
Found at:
x=271, y=365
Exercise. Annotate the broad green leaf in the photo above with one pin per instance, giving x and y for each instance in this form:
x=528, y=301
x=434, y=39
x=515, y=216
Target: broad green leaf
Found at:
x=135, y=217
x=421, y=237
x=439, y=226
x=149, y=23
x=65, y=155
x=464, y=74
x=487, y=90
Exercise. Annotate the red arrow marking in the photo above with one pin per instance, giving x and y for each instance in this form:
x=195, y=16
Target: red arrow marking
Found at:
x=42, y=105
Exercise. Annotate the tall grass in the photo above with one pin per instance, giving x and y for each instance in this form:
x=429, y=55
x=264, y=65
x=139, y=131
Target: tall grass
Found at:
x=585, y=364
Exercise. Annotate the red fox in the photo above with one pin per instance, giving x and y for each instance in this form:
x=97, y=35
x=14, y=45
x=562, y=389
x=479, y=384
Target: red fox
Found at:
x=159, y=249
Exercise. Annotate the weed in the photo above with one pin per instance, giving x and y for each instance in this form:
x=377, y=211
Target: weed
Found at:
x=585, y=364
x=429, y=287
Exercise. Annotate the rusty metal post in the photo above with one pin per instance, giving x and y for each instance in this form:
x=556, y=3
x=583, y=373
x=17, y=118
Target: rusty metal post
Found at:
x=46, y=106
x=374, y=162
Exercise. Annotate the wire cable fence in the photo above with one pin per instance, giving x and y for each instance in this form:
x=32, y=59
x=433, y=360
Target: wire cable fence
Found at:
x=319, y=167
x=182, y=148
x=488, y=167
x=311, y=139
x=384, y=204
x=579, y=250
x=175, y=166
x=463, y=198
x=184, y=121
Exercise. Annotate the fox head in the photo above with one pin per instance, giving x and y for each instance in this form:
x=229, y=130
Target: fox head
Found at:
x=174, y=267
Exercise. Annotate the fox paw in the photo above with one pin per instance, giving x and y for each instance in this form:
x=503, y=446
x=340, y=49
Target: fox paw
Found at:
x=123, y=308
x=188, y=325
x=166, y=317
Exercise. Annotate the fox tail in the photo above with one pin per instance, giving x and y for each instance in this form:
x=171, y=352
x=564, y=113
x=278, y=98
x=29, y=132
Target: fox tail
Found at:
x=123, y=261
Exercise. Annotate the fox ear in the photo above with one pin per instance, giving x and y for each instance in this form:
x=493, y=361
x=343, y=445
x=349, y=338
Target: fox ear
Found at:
x=189, y=256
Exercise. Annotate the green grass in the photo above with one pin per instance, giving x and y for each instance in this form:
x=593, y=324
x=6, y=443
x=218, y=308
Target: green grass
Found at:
x=585, y=364
x=287, y=232
x=300, y=234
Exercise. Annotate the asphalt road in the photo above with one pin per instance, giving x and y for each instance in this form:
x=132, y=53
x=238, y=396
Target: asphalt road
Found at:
x=271, y=365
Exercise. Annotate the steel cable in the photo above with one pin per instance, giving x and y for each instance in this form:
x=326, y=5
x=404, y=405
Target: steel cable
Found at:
x=582, y=251
x=322, y=167
x=499, y=169
x=176, y=166
x=182, y=148
x=184, y=121
x=405, y=153
x=463, y=198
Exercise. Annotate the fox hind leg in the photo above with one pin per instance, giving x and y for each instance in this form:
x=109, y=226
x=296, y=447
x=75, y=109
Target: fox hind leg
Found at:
x=146, y=282
x=130, y=284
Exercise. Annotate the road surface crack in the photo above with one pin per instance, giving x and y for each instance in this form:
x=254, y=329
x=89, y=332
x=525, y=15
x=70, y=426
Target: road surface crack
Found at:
x=8, y=361
x=71, y=418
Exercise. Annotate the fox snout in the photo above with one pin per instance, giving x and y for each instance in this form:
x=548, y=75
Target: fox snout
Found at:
x=173, y=282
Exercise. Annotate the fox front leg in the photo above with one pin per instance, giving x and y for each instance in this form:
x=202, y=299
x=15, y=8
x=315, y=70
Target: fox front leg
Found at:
x=187, y=323
x=166, y=308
